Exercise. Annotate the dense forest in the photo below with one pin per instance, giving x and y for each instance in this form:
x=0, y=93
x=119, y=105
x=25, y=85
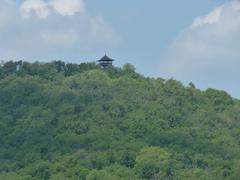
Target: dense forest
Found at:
x=64, y=121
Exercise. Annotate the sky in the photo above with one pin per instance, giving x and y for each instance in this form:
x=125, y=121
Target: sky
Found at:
x=187, y=40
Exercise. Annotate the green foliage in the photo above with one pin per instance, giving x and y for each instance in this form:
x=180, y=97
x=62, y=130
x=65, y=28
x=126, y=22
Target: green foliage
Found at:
x=64, y=121
x=152, y=161
x=115, y=172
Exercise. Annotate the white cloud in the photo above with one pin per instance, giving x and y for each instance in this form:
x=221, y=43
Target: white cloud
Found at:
x=207, y=52
x=211, y=18
x=35, y=30
x=42, y=9
x=68, y=7
x=35, y=6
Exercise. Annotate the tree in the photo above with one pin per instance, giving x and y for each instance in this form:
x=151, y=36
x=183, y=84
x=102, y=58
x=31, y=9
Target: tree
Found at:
x=152, y=161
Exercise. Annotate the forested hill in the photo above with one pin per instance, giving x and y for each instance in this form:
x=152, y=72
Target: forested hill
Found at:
x=66, y=121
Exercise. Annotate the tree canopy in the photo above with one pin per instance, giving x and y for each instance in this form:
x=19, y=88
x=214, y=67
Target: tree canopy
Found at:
x=76, y=121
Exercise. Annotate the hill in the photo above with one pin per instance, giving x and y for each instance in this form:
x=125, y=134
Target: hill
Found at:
x=76, y=121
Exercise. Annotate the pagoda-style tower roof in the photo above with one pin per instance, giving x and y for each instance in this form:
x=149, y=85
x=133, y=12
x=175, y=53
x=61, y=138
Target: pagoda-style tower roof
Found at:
x=105, y=58
x=105, y=61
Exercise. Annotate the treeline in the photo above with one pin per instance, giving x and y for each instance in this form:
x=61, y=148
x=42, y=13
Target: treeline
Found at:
x=76, y=121
x=37, y=68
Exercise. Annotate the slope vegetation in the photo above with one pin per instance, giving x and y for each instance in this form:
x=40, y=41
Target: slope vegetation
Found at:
x=69, y=121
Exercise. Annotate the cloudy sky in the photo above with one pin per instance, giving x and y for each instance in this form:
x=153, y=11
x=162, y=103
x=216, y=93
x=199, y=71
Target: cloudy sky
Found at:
x=188, y=40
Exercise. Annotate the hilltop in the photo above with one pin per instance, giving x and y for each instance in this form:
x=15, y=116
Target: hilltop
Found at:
x=76, y=121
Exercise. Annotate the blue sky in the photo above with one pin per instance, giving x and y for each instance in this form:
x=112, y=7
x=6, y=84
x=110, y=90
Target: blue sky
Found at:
x=187, y=40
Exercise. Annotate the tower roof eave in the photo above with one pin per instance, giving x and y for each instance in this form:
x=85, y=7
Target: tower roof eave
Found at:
x=105, y=58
